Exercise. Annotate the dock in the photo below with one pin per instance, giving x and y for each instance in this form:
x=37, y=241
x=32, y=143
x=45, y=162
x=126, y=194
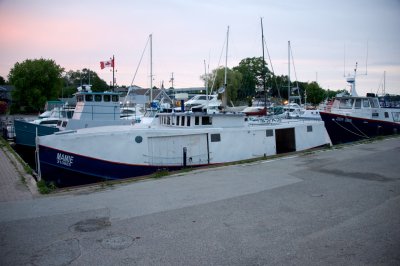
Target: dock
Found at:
x=338, y=206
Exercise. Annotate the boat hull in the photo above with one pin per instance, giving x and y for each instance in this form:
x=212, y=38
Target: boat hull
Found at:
x=25, y=132
x=69, y=169
x=344, y=129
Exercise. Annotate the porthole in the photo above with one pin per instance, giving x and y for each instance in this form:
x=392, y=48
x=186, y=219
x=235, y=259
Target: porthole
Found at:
x=138, y=139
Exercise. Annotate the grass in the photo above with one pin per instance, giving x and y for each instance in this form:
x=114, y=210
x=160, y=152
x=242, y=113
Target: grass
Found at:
x=45, y=187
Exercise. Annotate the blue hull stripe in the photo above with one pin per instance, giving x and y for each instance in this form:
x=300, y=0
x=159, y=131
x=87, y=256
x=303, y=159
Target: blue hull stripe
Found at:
x=66, y=168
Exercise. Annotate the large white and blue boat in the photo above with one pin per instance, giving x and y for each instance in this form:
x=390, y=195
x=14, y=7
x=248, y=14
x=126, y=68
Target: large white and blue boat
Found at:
x=173, y=141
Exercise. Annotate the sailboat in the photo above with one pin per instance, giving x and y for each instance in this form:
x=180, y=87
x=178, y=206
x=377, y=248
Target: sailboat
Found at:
x=293, y=109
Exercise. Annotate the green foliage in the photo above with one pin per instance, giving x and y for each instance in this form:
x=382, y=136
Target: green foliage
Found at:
x=315, y=94
x=45, y=187
x=35, y=82
x=2, y=81
x=233, y=78
x=254, y=71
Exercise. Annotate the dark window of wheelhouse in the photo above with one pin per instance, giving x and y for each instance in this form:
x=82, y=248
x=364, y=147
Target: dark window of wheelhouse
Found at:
x=188, y=121
x=196, y=120
x=88, y=97
x=97, y=98
x=269, y=132
x=206, y=120
x=106, y=98
x=177, y=120
x=64, y=123
x=79, y=98
x=183, y=121
x=386, y=115
x=215, y=137
x=357, y=105
x=115, y=98
x=309, y=128
x=366, y=103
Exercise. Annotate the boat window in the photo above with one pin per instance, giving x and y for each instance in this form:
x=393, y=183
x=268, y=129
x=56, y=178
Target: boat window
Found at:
x=206, y=120
x=106, y=98
x=309, y=128
x=357, y=104
x=196, y=120
x=79, y=98
x=188, y=121
x=88, y=97
x=97, y=98
x=374, y=103
x=177, y=120
x=386, y=115
x=215, y=137
x=168, y=120
x=346, y=103
x=269, y=132
x=115, y=98
x=396, y=116
x=183, y=121
x=365, y=103
x=64, y=123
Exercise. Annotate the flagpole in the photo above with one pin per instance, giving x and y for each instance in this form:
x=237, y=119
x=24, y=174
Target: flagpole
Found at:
x=113, y=73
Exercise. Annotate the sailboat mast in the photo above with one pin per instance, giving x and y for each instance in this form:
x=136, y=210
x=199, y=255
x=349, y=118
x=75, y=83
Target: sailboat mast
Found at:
x=225, y=94
x=288, y=71
x=263, y=69
x=151, y=67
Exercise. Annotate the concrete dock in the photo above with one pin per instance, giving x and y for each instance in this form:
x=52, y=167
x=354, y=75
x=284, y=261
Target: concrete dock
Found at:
x=333, y=207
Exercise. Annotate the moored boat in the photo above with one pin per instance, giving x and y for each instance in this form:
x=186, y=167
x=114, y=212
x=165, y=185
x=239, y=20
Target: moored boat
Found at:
x=173, y=141
x=352, y=118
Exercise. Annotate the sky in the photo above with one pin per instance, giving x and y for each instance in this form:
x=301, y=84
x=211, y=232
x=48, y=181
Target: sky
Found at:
x=188, y=36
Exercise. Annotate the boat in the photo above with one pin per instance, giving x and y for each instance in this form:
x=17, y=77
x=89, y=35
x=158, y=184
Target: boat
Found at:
x=25, y=131
x=352, y=117
x=92, y=109
x=294, y=110
x=171, y=142
x=174, y=141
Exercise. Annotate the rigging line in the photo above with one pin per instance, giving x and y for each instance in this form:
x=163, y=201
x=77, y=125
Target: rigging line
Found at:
x=359, y=130
x=294, y=68
x=140, y=61
x=348, y=129
x=215, y=76
x=272, y=68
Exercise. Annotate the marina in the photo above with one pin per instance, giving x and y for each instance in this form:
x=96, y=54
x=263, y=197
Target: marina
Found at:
x=339, y=206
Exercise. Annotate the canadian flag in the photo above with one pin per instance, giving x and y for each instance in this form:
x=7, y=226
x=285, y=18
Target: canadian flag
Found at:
x=104, y=64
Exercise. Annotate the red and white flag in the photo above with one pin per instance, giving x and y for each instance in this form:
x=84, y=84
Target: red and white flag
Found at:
x=104, y=64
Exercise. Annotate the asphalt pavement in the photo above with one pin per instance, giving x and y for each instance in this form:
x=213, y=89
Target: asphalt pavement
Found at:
x=333, y=207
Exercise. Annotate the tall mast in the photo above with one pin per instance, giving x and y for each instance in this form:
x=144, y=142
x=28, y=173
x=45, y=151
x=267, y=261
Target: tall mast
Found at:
x=225, y=94
x=263, y=69
x=151, y=67
x=288, y=71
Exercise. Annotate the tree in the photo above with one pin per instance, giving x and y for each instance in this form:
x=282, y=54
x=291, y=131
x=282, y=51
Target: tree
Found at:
x=234, y=79
x=2, y=81
x=315, y=94
x=253, y=71
x=35, y=82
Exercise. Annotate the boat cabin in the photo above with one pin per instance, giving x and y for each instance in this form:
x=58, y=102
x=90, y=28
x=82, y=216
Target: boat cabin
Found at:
x=191, y=120
x=355, y=103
